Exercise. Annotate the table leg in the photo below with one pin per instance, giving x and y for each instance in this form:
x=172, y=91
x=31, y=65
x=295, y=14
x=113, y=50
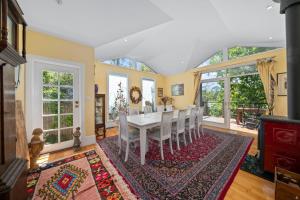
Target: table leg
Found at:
x=143, y=144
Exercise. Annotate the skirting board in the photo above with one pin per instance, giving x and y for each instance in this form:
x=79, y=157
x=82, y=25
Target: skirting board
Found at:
x=88, y=140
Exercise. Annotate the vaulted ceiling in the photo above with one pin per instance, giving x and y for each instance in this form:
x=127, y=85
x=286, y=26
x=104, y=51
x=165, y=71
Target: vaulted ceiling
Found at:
x=168, y=35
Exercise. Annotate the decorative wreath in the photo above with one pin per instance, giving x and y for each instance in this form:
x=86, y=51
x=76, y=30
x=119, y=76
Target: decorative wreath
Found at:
x=135, y=99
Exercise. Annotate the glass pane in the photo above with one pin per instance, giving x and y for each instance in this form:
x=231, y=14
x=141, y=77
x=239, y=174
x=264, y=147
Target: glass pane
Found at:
x=148, y=88
x=216, y=74
x=50, y=107
x=66, y=121
x=50, y=122
x=215, y=59
x=66, y=134
x=212, y=98
x=50, y=92
x=236, y=52
x=243, y=70
x=66, y=79
x=50, y=77
x=50, y=137
x=66, y=107
x=66, y=93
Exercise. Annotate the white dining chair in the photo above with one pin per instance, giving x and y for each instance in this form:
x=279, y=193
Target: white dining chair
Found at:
x=180, y=127
x=199, y=121
x=164, y=133
x=190, y=126
x=169, y=108
x=160, y=108
x=126, y=134
x=147, y=109
x=134, y=111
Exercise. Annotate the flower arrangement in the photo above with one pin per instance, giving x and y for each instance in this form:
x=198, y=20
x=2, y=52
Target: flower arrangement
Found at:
x=120, y=103
x=165, y=100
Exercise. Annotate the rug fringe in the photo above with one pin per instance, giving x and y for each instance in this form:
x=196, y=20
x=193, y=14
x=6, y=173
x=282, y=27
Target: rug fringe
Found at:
x=118, y=179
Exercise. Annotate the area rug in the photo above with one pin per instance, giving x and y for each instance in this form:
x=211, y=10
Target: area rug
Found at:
x=87, y=175
x=202, y=170
x=251, y=166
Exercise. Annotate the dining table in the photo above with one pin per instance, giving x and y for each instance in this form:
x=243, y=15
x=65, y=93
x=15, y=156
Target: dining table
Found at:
x=144, y=122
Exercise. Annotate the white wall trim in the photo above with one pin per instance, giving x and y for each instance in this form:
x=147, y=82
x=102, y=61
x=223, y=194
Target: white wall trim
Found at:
x=29, y=92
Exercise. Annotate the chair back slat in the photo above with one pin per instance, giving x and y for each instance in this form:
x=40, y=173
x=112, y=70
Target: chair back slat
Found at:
x=166, y=123
x=123, y=124
x=181, y=121
x=133, y=111
x=192, y=117
x=148, y=109
x=200, y=115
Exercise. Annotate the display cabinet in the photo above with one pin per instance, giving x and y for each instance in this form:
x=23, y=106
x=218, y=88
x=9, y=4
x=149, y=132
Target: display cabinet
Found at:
x=100, y=115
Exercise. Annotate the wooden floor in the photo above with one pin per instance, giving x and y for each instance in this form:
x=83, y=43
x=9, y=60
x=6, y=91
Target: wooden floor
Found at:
x=244, y=187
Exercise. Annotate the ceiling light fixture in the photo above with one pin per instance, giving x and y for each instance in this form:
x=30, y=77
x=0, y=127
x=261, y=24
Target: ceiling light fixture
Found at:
x=270, y=6
x=270, y=38
x=125, y=40
x=59, y=2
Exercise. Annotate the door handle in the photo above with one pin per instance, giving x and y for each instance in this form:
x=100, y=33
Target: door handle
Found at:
x=76, y=104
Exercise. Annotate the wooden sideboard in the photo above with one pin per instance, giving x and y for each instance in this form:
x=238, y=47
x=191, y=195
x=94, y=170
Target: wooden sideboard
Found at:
x=279, y=144
x=13, y=169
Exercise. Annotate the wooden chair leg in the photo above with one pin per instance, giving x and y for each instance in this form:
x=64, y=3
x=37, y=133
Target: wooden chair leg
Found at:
x=177, y=138
x=127, y=151
x=161, y=150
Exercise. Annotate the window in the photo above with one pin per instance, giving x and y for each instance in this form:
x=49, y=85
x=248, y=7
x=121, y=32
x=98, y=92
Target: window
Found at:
x=114, y=80
x=148, y=89
x=237, y=52
x=231, y=72
x=215, y=59
x=130, y=64
x=233, y=53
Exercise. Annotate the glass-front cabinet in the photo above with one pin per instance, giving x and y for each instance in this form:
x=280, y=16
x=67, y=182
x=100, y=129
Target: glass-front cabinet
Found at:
x=100, y=114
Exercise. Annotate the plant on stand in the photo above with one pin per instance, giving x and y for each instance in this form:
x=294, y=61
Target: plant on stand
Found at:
x=166, y=100
x=120, y=103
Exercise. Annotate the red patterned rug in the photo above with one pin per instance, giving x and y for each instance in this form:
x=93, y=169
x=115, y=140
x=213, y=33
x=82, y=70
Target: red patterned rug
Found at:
x=202, y=170
x=88, y=175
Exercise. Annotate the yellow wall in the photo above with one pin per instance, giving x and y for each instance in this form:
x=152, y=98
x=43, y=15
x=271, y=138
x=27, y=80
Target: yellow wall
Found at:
x=134, y=79
x=187, y=78
x=40, y=44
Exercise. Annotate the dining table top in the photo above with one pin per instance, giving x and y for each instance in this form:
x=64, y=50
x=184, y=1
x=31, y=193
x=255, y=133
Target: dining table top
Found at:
x=151, y=118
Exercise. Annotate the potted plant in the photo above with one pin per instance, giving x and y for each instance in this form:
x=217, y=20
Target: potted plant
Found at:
x=165, y=100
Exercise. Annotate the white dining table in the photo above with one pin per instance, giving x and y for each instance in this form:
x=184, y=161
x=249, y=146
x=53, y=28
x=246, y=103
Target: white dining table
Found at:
x=143, y=122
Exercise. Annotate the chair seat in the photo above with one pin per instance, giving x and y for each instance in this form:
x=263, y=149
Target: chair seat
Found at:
x=133, y=134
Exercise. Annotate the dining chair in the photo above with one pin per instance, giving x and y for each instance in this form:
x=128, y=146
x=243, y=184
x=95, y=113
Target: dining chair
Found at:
x=180, y=127
x=199, y=121
x=169, y=107
x=160, y=108
x=147, y=109
x=190, y=126
x=126, y=134
x=164, y=133
x=134, y=111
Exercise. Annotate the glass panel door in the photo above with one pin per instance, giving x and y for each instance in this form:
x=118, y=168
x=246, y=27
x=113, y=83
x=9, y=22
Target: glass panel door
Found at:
x=57, y=104
x=214, y=99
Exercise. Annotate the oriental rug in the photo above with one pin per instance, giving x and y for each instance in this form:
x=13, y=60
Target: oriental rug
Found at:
x=87, y=175
x=202, y=170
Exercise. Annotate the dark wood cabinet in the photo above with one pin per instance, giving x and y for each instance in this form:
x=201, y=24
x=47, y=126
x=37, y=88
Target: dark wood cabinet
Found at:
x=13, y=169
x=100, y=114
x=279, y=142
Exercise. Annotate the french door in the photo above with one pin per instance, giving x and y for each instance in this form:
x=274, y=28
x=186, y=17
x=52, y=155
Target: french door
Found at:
x=56, y=102
x=215, y=95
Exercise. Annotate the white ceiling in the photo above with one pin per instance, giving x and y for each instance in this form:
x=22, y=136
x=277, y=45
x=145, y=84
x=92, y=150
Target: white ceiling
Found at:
x=170, y=36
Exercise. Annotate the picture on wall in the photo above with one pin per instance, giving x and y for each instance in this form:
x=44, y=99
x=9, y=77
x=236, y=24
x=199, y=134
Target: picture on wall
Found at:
x=282, y=84
x=160, y=92
x=177, y=90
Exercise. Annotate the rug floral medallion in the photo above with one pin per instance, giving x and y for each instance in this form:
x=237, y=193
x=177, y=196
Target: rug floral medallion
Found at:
x=202, y=170
x=86, y=175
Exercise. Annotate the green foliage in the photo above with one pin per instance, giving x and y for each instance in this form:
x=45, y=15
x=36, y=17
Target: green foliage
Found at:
x=66, y=79
x=236, y=52
x=50, y=77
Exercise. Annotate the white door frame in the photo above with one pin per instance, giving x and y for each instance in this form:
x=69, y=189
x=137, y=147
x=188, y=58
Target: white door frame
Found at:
x=226, y=123
x=30, y=93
